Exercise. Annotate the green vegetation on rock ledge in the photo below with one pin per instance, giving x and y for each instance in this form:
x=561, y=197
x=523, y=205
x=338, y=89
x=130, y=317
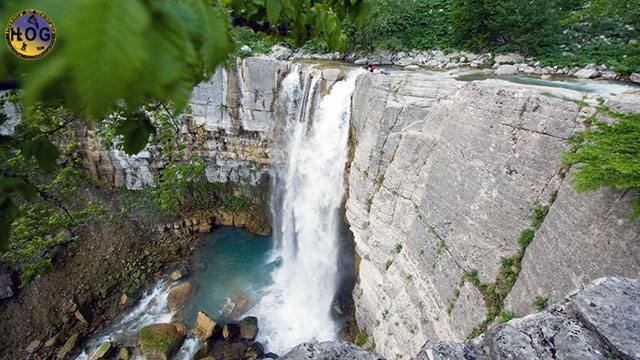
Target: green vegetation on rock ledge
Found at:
x=608, y=155
x=496, y=292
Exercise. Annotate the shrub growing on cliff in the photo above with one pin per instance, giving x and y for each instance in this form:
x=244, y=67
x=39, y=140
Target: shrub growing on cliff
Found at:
x=608, y=155
x=540, y=303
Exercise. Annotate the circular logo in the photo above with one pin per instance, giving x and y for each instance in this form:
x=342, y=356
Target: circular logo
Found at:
x=30, y=34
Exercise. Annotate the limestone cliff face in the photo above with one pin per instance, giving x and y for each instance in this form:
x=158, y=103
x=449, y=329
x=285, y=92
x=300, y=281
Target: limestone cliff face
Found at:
x=597, y=323
x=443, y=181
x=232, y=122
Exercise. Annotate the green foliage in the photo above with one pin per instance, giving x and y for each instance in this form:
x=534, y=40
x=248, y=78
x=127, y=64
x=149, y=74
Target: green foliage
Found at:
x=496, y=292
x=314, y=46
x=541, y=303
x=538, y=213
x=41, y=205
x=168, y=48
x=235, y=202
x=526, y=237
x=609, y=155
x=558, y=32
x=297, y=21
x=450, y=308
x=472, y=276
x=388, y=264
x=361, y=338
x=245, y=36
x=398, y=248
x=505, y=316
x=136, y=129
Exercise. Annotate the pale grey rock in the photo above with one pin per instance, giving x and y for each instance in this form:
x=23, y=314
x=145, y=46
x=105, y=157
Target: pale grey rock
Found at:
x=511, y=58
x=412, y=67
x=403, y=59
x=635, y=77
x=600, y=322
x=436, y=142
x=230, y=125
x=361, y=61
x=12, y=116
x=6, y=286
x=245, y=50
x=609, y=75
x=330, y=350
x=506, y=70
x=587, y=73
x=450, y=171
x=584, y=237
x=333, y=74
x=280, y=52
x=384, y=58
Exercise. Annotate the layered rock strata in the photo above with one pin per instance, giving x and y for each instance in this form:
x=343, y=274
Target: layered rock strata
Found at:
x=445, y=177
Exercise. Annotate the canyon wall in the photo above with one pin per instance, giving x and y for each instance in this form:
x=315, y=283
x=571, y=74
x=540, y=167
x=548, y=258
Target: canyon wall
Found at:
x=230, y=126
x=445, y=177
x=597, y=323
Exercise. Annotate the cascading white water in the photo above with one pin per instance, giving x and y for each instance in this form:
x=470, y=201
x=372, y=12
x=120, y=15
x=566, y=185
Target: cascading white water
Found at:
x=307, y=192
x=151, y=309
x=308, y=185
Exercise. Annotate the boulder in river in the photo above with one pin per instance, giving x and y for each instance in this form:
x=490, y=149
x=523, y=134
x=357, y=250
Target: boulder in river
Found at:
x=254, y=351
x=103, y=351
x=206, y=327
x=506, y=70
x=179, y=295
x=160, y=341
x=123, y=354
x=68, y=346
x=249, y=328
x=587, y=73
x=236, y=306
x=234, y=351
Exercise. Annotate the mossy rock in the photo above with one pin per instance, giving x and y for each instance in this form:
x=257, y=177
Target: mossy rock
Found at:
x=249, y=328
x=68, y=346
x=102, y=352
x=160, y=341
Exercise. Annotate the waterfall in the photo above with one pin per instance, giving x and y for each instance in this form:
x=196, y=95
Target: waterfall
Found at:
x=308, y=185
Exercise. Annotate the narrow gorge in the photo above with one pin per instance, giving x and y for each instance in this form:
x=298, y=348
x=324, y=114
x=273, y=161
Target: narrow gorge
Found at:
x=406, y=212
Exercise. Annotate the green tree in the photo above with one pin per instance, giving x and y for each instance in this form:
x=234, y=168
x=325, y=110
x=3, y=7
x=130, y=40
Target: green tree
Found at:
x=297, y=21
x=608, y=155
x=43, y=203
x=118, y=56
